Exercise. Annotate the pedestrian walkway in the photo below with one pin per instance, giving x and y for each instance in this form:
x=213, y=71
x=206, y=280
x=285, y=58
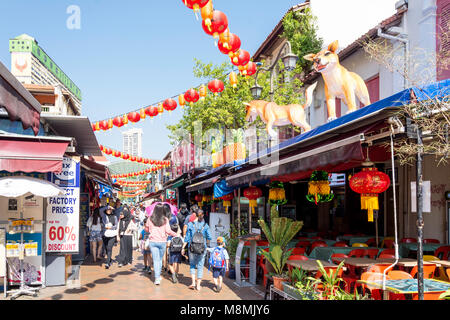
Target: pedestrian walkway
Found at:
x=130, y=283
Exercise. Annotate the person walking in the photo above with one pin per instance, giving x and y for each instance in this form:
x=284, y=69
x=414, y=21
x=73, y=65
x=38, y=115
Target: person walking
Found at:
x=158, y=227
x=145, y=249
x=219, y=263
x=95, y=228
x=194, y=210
x=125, y=237
x=197, y=240
x=182, y=215
x=110, y=223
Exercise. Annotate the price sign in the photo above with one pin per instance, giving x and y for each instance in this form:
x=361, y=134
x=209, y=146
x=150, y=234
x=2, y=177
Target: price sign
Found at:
x=63, y=212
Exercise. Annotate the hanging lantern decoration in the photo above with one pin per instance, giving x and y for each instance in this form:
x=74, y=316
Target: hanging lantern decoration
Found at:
x=117, y=154
x=224, y=37
x=191, y=96
x=202, y=92
x=104, y=125
x=125, y=119
x=252, y=194
x=216, y=86
x=170, y=104
x=369, y=183
x=125, y=156
x=219, y=23
x=134, y=116
x=151, y=111
x=181, y=101
x=227, y=200
x=277, y=194
x=249, y=69
x=207, y=199
x=199, y=199
x=107, y=151
x=207, y=14
x=142, y=113
x=160, y=109
x=118, y=122
x=195, y=5
x=110, y=124
x=229, y=45
x=319, y=188
x=243, y=57
x=233, y=79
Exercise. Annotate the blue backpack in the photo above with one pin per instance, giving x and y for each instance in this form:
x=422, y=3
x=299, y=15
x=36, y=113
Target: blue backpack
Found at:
x=217, y=258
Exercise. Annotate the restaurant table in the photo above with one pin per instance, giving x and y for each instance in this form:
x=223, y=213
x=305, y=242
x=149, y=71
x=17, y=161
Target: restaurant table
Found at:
x=404, y=249
x=442, y=263
x=325, y=253
x=367, y=262
x=432, y=287
x=309, y=265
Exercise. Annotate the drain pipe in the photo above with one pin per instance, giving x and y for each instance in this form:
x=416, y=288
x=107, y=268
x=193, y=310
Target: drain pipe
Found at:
x=402, y=38
x=392, y=121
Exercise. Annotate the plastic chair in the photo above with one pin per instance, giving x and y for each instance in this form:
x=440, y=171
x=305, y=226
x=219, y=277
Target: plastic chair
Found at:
x=304, y=244
x=431, y=241
x=340, y=244
x=378, y=268
x=338, y=255
x=298, y=250
x=386, y=256
x=372, y=242
x=387, y=243
x=439, y=273
x=408, y=240
x=443, y=252
x=375, y=293
x=398, y=275
x=358, y=244
x=428, y=271
x=372, y=253
x=357, y=253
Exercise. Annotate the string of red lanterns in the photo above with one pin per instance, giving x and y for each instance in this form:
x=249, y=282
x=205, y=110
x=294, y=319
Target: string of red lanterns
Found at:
x=125, y=156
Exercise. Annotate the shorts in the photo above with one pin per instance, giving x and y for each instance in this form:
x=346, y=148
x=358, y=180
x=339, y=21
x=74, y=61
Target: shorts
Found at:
x=146, y=251
x=95, y=236
x=218, y=272
x=174, y=257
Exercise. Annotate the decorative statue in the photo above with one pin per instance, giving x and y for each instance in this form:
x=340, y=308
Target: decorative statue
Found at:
x=275, y=115
x=339, y=82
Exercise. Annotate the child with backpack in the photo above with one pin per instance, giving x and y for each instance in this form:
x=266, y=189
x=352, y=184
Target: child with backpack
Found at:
x=175, y=245
x=219, y=263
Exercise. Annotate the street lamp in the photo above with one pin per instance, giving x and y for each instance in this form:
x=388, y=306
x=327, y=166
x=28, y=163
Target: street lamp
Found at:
x=289, y=61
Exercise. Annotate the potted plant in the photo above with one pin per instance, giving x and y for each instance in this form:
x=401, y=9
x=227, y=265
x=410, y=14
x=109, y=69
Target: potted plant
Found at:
x=277, y=258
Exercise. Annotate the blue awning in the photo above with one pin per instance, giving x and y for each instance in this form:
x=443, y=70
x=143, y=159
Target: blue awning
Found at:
x=221, y=188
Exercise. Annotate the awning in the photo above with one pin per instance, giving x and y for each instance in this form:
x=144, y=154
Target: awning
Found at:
x=333, y=154
x=207, y=183
x=16, y=186
x=32, y=154
x=18, y=102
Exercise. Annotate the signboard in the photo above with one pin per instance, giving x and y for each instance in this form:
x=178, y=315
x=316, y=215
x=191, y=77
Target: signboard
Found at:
x=219, y=224
x=171, y=194
x=63, y=212
x=336, y=179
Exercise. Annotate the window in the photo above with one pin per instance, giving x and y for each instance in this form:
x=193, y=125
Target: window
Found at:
x=442, y=39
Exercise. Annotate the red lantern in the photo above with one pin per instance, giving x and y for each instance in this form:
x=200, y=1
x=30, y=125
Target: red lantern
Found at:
x=118, y=122
x=104, y=125
x=369, y=183
x=101, y=147
x=199, y=199
x=108, y=151
x=242, y=59
x=138, y=159
x=145, y=161
x=252, y=194
x=117, y=154
x=250, y=69
x=196, y=5
x=227, y=200
x=234, y=44
x=215, y=86
x=125, y=156
x=133, y=158
x=170, y=104
x=151, y=111
x=219, y=23
x=134, y=117
x=93, y=127
x=191, y=96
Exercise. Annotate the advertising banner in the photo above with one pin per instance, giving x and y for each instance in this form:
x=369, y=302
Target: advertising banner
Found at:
x=219, y=224
x=63, y=212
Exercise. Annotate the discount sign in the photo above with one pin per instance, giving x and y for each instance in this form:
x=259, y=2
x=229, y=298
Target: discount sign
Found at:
x=63, y=212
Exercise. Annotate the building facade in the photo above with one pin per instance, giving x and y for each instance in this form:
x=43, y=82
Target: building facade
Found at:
x=30, y=64
x=132, y=142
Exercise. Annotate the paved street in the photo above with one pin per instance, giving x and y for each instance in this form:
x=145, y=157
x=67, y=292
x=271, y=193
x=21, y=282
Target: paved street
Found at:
x=130, y=283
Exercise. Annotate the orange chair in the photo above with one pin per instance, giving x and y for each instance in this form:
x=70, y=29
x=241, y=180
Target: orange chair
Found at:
x=372, y=253
x=378, y=268
x=338, y=255
x=340, y=244
x=428, y=271
x=386, y=256
x=443, y=253
x=298, y=250
x=304, y=244
x=357, y=253
x=372, y=242
x=398, y=275
x=330, y=271
x=431, y=241
x=408, y=240
x=375, y=293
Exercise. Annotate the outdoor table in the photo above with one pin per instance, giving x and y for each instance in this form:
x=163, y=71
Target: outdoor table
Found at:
x=432, y=287
x=405, y=248
x=405, y=262
x=353, y=240
x=325, y=253
x=441, y=263
x=309, y=265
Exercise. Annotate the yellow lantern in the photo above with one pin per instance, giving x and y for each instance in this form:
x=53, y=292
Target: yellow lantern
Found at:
x=125, y=119
x=233, y=79
x=207, y=14
x=160, y=108
x=202, y=92
x=181, y=100
x=142, y=113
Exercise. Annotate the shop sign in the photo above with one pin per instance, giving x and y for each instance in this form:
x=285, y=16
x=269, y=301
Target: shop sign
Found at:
x=63, y=212
x=336, y=179
x=171, y=194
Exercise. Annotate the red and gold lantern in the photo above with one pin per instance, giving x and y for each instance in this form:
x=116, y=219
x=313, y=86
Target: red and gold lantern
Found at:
x=107, y=151
x=243, y=57
x=233, y=79
x=191, y=96
x=199, y=199
x=118, y=122
x=125, y=156
x=219, y=23
x=151, y=111
x=169, y=104
x=227, y=200
x=142, y=113
x=249, y=69
x=181, y=101
x=134, y=117
x=230, y=45
x=207, y=14
x=104, y=125
x=369, y=183
x=216, y=86
x=252, y=194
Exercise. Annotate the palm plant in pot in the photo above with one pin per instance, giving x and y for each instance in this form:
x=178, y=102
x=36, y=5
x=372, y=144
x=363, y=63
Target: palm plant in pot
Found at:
x=277, y=258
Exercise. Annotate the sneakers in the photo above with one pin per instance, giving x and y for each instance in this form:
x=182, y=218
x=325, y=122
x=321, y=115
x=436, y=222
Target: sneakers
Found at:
x=120, y=265
x=158, y=281
x=145, y=268
x=106, y=266
x=149, y=270
x=174, y=278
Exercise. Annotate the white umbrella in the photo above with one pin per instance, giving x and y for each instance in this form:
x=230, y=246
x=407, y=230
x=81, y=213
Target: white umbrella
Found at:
x=13, y=187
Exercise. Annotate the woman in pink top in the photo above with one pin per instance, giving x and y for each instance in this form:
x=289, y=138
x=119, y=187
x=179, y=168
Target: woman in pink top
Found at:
x=159, y=229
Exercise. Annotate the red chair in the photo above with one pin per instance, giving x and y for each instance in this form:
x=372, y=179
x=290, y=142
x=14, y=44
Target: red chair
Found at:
x=408, y=240
x=388, y=251
x=330, y=271
x=372, y=242
x=338, y=255
x=443, y=253
x=386, y=256
x=340, y=244
x=398, y=275
x=298, y=257
x=298, y=250
x=316, y=244
x=316, y=238
x=375, y=293
x=304, y=244
x=428, y=271
x=357, y=253
x=262, y=265
x=262, y=243
x=431, y=241
x=372, y=253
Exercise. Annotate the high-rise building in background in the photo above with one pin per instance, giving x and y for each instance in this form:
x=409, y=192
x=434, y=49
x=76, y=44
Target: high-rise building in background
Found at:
x=132, y=142
x=43, y=78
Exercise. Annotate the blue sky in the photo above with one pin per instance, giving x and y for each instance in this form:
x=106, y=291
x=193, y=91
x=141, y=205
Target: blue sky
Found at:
x=132, y=54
